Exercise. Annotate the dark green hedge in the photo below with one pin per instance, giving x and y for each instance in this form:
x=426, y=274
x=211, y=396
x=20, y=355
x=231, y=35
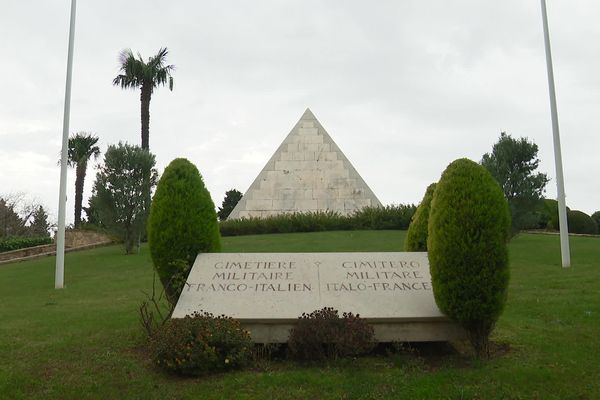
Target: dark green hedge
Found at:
x=182, y=223
x=469, y=227
x=416, y=237
x=596, y=218
x=16, y=243
x=374, y=218
x=580, y=222
x=550, y=214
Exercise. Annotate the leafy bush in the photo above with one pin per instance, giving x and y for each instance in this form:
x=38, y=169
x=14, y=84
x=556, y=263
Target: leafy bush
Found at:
x=416, y=237
x=389, y=217
x=323, y=334
x=469, y=227
x=200, y=344
x=182, y=223
x=580, y=222
x=16, y=243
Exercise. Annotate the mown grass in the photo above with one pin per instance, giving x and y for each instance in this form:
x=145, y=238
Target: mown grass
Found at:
x=85, y=342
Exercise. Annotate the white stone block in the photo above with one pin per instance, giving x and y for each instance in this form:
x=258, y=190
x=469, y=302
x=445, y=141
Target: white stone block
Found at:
x=318, y=139
x=306, y=204
x=350, y=204
x=309, y=155
x=308, y=131
x=324, y=194
x=325, y=147
x=350, y=192
x=259, y=205
x=327, y=156
x=285, y=194
x=261, y=195
x=296, y=165
x=284, y=204
x=362, y=203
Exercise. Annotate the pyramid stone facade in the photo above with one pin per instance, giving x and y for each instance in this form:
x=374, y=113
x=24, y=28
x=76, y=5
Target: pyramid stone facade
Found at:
x=307, y=173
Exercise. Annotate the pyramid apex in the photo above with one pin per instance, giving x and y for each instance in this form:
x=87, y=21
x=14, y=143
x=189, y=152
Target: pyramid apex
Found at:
x=308, y=114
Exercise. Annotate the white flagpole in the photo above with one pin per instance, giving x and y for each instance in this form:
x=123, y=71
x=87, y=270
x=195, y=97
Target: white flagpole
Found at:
x=59, y=278
x=562, y=207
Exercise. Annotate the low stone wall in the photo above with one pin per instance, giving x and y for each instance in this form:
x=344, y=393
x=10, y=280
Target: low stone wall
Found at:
x=77, y=238
x=27, y=252
x=74, y=240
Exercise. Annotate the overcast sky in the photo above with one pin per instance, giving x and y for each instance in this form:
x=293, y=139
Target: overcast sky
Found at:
x=403, y=87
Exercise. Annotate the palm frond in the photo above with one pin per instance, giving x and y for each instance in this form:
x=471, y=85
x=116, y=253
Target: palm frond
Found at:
x=137, y=73
x=81, y=147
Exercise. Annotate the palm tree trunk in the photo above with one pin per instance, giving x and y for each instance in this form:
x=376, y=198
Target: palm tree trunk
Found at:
x=145, y=95
x=79, y=180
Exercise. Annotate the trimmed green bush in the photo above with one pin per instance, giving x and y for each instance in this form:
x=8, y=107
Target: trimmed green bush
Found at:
x=323, y=334
x=469, y=227
x=16, y=243
x=416, y=237
x=550, y=214
x=596, y=218
x=182, y=223
x=376, y=218
x=200, y=344
x=580, y=222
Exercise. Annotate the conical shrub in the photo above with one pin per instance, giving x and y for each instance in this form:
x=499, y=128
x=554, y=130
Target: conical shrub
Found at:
x=469, y=227
x=182, y=223
x=416, y=237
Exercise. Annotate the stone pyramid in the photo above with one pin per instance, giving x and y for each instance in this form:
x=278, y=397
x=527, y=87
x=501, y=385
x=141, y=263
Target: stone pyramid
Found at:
x=307, y=173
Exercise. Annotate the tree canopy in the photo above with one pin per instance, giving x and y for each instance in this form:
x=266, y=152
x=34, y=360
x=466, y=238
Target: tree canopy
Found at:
x=232, y=197
x=135, y=72
x=119, y=194
x=513, y=163
x=82, y=146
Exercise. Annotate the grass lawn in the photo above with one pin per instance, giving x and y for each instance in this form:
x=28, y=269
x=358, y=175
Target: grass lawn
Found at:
x=84, y=342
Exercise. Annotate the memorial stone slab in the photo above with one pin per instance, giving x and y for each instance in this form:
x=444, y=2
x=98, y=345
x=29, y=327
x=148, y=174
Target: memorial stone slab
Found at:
x=267, y=292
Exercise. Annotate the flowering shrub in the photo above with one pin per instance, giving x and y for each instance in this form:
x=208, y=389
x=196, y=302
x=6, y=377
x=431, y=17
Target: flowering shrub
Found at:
x=200, y=344
x=323, y=334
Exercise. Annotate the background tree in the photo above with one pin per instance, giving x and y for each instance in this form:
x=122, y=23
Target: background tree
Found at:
x=119, y=193
x=513, y=164
x=17, y=213
x=82, y=146
x=232, y=197
x=11, y=224
x=39, y=225
x=145, y=75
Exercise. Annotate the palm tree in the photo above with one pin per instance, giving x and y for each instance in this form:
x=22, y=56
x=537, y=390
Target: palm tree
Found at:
x=82, y=146
x=146, y=76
